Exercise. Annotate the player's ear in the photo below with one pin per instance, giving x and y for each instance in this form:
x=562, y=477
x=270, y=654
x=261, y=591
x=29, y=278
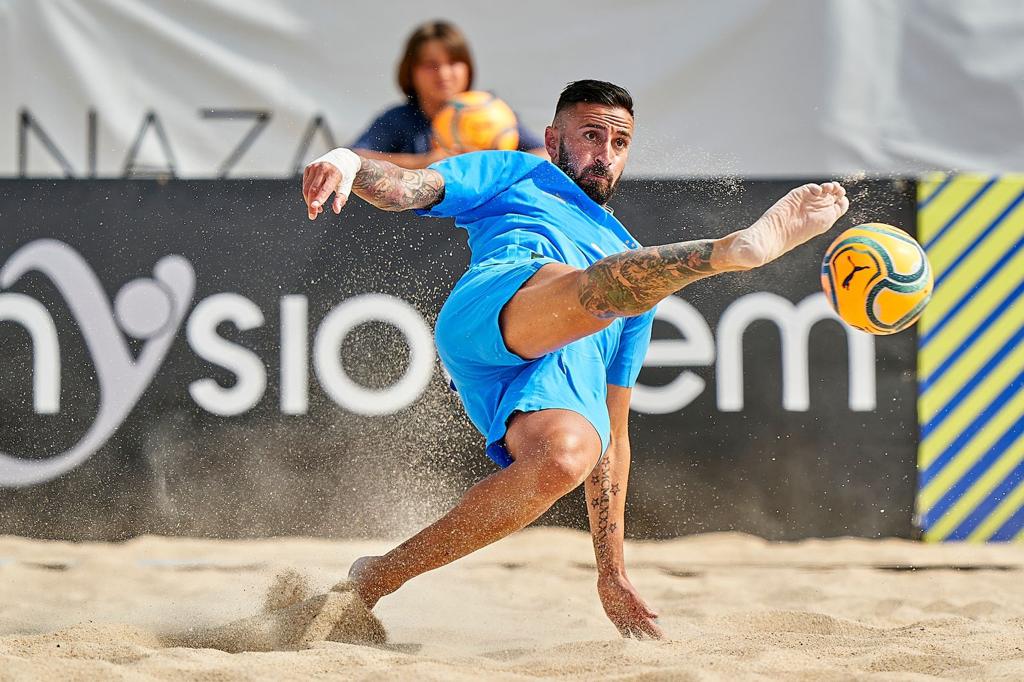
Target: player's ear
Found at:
x=551, y=134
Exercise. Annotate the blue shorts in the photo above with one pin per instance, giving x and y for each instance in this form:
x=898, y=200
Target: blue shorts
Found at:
x=493, y=382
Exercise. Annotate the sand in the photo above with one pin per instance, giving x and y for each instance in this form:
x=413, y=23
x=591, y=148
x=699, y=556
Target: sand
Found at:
x=734, y=607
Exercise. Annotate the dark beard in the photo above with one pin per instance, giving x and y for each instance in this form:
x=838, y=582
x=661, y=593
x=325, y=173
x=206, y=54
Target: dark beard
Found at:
x=585, y=177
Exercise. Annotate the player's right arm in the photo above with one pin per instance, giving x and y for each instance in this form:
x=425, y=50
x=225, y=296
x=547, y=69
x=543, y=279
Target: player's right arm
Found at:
x=381, y=183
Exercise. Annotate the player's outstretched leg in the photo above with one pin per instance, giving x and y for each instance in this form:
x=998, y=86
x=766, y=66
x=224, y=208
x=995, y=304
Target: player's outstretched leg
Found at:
x=561, y=304
x=633, y=282
x=554, y=450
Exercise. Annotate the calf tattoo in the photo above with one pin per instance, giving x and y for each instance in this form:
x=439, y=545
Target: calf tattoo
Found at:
x=633, y=282
x=392, y=188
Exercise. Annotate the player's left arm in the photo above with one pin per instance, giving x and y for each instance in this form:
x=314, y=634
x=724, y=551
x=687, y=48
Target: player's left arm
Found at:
x=606, y=507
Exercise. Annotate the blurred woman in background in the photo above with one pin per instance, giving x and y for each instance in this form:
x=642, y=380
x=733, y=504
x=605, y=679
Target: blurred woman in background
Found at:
x=435, y=67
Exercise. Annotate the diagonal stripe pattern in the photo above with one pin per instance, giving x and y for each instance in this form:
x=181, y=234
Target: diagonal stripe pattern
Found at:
x=971, y=359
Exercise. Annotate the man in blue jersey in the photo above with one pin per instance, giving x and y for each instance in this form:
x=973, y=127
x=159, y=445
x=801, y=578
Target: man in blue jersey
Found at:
x=545, y=334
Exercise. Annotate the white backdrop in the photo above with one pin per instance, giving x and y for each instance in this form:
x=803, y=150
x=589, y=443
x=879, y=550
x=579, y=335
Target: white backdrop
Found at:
x=746, y=87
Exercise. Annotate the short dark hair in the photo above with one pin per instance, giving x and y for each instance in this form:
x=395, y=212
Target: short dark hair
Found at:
x=449, y=35
x=594, y=92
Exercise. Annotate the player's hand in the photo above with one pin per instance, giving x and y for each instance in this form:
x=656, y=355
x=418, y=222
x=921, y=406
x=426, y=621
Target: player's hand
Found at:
x=626, y=608
x=319, y=180
x=333, y=173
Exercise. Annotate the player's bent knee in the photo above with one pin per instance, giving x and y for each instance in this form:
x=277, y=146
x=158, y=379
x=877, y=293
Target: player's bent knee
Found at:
x=563, y=472
x=569, y=456
x=559, y=448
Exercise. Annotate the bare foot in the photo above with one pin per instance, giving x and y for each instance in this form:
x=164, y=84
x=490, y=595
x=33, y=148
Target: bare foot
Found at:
x=804, y=213
x=369, y=583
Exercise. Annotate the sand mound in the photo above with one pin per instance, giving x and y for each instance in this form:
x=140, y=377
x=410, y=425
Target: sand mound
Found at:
x=288, y=588
x=794, y=621
x=291, y=619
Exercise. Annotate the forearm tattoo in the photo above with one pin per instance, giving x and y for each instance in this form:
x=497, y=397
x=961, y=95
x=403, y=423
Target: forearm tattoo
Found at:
x=600, y=501
x=392, y=188
x=633, y=282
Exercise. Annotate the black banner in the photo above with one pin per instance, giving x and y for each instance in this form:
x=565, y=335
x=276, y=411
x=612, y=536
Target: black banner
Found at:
x=196, y=357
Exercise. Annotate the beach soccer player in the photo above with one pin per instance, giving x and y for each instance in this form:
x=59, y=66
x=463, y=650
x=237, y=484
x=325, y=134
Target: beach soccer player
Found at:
x=545, y=334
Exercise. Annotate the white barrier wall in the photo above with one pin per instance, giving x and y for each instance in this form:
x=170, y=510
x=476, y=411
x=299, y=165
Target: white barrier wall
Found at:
x=748, y=87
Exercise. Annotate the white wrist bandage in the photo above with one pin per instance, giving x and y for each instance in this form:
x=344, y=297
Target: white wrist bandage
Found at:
x=348, y=164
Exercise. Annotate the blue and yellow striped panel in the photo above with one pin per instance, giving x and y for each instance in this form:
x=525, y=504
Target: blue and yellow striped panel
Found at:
x=970, y=363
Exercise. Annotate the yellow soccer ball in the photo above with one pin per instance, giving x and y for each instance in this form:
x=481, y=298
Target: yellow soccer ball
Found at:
x=476, y=120
x=877, y=278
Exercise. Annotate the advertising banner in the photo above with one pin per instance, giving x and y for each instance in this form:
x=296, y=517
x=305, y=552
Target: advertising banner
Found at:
x=197, y=357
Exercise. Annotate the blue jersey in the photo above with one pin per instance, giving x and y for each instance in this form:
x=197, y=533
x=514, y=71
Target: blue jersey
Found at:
x=522, y=212
x=516, y=206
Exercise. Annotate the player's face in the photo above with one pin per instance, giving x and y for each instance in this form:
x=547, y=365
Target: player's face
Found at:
x=590, y=143
x=436, y=78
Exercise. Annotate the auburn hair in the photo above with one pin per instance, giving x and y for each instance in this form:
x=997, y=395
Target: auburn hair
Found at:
x=451, y=37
